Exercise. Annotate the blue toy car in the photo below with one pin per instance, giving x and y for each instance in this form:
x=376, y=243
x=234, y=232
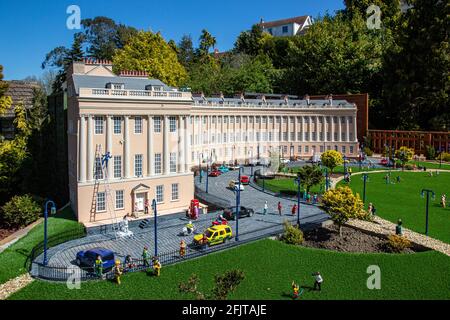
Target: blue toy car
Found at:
x=223, y=169
x=87, y=258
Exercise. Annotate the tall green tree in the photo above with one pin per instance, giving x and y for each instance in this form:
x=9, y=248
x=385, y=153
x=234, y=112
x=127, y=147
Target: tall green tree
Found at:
x=310, y=176
x=251, y=42
x=335, y=56
x=61, y=58
x=417, y=83
x=207, y=41
x=5, y=101
x=186, y=52
x=104, y=36
x=149, y=52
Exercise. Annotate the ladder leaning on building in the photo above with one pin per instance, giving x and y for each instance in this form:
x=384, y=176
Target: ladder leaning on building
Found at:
x=101, y=174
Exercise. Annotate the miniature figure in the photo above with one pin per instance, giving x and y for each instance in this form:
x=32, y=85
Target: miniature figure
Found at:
x=117, y=270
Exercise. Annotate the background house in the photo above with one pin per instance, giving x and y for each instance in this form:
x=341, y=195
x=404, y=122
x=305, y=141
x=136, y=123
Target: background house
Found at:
x=287, y=27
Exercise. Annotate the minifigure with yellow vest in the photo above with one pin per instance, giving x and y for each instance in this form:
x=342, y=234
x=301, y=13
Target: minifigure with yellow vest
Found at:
x=182, y=248
x=98, y=267
x=295, y=290
x=118, y=271
x=156, y=266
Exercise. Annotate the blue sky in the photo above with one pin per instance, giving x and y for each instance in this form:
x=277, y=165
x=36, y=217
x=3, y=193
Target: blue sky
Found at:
x=29, y=29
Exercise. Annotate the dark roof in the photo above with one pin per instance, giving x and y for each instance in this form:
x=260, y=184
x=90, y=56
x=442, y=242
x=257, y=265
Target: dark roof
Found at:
x=87, y=81
x=299, y=20
x=20, y=91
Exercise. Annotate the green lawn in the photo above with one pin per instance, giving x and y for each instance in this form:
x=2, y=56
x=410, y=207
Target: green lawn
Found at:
x=403, y=200
x=269, y=267
x=287, y=186
x=432, y=165
x=12, y=260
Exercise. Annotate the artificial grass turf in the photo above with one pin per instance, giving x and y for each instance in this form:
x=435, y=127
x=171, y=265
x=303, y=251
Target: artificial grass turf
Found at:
x=403, y=200
x=269, y=267
x=287, y=185
x=12, y=260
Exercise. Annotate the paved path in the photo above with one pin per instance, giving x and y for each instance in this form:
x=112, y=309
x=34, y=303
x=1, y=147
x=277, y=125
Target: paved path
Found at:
x=169, y=229
x=382, y=226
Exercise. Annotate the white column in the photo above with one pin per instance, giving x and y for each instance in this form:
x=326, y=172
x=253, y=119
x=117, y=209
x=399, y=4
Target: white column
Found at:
x=166, y=154
x=126, y=146
x=200, y=131
x=109, y=144
x=309, y=128
x=90, y=149
x=288, y=130
x=347, y=129
x=355, y=129
x=332, y=128
x=181, y=144
x=280, y=133
x=150, y=155
x=187, y=144
x=325, y=129
x=295, y=129
x=82, y=150
x=340, y=128
x=317, y=129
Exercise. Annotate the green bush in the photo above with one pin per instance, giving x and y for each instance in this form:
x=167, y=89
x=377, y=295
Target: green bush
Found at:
x=19, y=212
x=396, y=243
x=430, y=152
x=291, y=235
x=409, y=166
x=368, y=152
x=445, y=156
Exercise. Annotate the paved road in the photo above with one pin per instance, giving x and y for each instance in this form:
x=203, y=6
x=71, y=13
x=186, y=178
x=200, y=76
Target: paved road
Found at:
x=169, y=229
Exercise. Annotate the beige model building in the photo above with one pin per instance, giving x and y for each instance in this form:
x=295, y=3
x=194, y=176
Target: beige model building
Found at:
x=155, y=134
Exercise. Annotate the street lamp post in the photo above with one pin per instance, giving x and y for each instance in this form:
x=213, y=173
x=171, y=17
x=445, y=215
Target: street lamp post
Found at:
x=200, y=165
x=428, y=192
x=52, y=211
x=251, y=163
x=298, y=181
x=156, y=226
x=345, y=165
x=365, y=178
x=326, y=179
x=238, y=201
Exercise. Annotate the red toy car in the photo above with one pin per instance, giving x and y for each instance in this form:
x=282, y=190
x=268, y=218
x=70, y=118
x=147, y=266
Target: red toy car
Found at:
x=245, y=180
x=214, y=173
x=384, y=162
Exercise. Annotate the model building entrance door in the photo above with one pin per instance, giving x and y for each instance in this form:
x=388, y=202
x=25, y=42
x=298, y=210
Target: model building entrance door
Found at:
x=140, y=199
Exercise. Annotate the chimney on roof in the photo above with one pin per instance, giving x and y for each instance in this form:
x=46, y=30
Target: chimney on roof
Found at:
x=330, y=99
x=216, y=53
x=307, y=99
x=133, y=73
x=261, y=21
x=286, y=99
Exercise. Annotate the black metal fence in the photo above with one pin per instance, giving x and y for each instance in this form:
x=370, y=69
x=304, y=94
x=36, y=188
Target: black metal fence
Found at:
x=53, y=241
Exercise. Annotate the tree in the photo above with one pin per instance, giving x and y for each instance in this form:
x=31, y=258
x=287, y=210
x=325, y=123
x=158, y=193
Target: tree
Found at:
x=104, y=36
x=186, y=52
x=310, y=176
x=251, y=42
x=224, y=285
x=207, y=41
x=417, y=82
x=149, y=52
x=404, y=154
x=331, y=159
x=342, y=205
x=61, y=58
x=5, y=101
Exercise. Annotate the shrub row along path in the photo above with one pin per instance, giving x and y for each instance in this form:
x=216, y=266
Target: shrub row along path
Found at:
x=382, y=226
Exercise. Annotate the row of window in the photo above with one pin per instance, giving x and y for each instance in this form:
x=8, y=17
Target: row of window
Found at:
x=265, y=136
x=239, y=152
x=270, y=119
x=138, y=165
x=138, y=125
x=138, y=122
x=119, y=203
